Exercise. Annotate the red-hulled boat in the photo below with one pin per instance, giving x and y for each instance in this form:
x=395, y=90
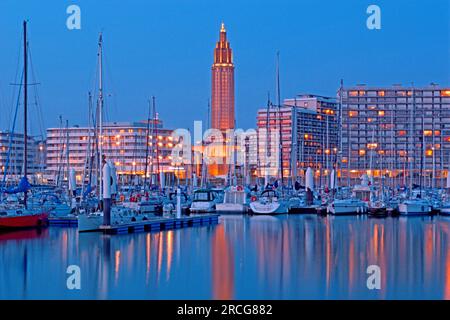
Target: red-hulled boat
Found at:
x=16, y=217
x=24, y=221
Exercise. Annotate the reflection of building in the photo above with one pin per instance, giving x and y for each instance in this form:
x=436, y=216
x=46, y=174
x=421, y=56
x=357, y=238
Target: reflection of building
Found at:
x=124, y=143
x=312, y=128
x=222, y=94
x=11, y=155
x=383, y=129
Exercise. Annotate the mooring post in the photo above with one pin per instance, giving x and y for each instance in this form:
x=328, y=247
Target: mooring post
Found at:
x=178, y=202
x=106, y=194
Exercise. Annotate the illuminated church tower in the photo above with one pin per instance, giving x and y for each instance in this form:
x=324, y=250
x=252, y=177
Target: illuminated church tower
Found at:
x=222, y=106
x=222, y=101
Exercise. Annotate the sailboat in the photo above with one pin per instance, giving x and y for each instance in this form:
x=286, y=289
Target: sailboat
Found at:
x=91, y=221
x=21, y=216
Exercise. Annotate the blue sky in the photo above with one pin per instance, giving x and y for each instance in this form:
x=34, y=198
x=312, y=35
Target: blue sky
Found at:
x=165, y=48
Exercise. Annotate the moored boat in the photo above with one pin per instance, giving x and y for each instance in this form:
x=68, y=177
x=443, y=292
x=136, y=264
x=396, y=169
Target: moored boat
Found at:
x=347, y=207
x=415, y=207
x=16, y=219
x=269, y=203
x=204, y=201
x=235, y=200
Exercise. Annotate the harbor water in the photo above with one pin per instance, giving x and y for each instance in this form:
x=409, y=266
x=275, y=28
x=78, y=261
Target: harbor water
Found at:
x=242, y=257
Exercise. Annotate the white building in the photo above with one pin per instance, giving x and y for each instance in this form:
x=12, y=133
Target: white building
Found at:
x=123, y=143
x=11, y=156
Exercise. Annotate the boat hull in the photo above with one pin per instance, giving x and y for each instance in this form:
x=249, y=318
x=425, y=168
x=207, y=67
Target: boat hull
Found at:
x=378, y=212
x=346, y=209
x=24, y=221
x=203, y=207
x=231, y=207
x=304, y=210
x=270, y=208
x=87, y=223
x=406, y=209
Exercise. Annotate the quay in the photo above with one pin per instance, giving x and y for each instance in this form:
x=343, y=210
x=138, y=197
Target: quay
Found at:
x=161, y=224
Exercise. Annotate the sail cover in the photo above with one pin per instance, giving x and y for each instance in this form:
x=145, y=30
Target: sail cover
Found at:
x=23, y=186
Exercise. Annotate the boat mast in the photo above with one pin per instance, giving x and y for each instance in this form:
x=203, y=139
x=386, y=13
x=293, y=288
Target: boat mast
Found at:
x=338, y=159
x=279, y=119
x=147, y=143
x=422, y=158
x=294, y=151
x=411, y=142
x=100, y=114
x=87, y=160
x=155, y=125
x=268, y=152
x=25, y=105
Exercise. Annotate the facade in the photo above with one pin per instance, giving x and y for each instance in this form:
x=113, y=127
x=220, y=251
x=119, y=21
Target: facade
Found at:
x=308, y=137
x=396, y=132
x=124, y=143
x=12, y=148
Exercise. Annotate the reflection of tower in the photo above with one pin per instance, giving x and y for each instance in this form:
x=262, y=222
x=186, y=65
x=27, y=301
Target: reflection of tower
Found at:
x=222, y=111
x=222, y=266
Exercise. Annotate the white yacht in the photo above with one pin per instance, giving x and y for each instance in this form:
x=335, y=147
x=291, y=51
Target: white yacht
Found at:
x=270, y=203
x=347, y=207
x=235, y=200
x=204, y=201
x=415, y=207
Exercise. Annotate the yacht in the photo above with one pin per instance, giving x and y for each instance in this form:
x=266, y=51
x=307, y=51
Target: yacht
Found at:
x=203, y=201
x=235, y=200
x=347, y=207
x=415, y=207
x=298, y=204
x=269, y=202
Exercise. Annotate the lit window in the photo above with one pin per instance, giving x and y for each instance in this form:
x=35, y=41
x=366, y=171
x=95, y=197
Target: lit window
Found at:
x=381, y=113
x=362, y=152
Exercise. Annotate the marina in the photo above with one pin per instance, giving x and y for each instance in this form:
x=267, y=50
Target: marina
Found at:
x=162, y=188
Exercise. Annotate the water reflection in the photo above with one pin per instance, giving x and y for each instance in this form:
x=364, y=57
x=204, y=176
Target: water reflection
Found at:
x=283, y=257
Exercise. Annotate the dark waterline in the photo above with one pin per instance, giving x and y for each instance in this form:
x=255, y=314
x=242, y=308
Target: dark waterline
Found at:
x=283, y=257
